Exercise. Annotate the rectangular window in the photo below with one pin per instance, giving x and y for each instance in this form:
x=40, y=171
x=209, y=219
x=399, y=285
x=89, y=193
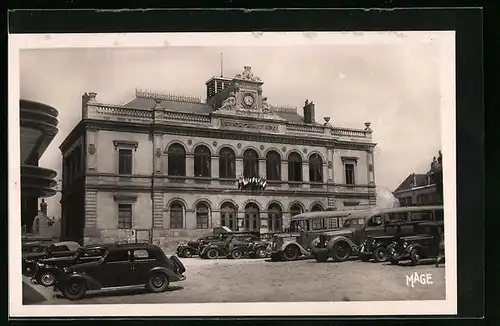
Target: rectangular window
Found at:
x=349, y=174
x=125, y=161
x=124, y=216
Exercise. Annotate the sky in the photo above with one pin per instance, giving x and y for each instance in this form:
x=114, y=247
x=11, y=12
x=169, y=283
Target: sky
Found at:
x=396, y=87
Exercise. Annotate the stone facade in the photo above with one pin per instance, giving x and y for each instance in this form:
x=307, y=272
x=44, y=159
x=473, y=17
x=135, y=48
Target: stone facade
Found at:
x=166, y=204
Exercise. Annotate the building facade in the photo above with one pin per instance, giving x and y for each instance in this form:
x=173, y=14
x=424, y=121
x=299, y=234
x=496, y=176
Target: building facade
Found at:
x=424, y=188
x=164, y=167
x=38, y=127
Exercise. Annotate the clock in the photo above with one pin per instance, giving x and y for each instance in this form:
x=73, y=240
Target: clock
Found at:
x=248, y=100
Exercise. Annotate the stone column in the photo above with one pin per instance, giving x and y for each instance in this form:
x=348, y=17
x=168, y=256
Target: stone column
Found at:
x=158, y=210
x=215, y=166
x=264, y=225
x=240, y=219
x=325, y=172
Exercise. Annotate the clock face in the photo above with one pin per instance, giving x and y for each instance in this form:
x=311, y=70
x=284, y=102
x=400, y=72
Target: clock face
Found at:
x=248, y=100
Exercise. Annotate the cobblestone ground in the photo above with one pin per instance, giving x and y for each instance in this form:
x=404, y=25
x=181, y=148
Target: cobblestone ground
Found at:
x=259, y=280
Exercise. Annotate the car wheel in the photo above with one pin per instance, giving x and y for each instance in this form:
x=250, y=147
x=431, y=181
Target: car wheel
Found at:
x=74, y=290
x=236, y=254
x=46, y=278
x=291, y=252
x=380, y=254
x=341, y=251
x=157, y=282
x=261, y=253
x=28, y=270
x=414, y=257
x=188, y=253
x=212, y=253
x=321, y=258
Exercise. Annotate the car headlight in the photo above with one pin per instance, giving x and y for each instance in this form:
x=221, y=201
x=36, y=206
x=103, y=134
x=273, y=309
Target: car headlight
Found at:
x=65, y=270
x=405, y=245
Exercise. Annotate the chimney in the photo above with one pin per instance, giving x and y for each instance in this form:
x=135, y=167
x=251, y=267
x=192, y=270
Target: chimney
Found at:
x=309, y=112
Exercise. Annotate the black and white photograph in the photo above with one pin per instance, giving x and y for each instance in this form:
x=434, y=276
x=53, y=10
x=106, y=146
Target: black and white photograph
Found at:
x=270, y=173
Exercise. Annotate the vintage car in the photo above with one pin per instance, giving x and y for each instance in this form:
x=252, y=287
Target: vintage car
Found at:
x=380, y=223
x=123, y=265
x=233, y=245
x=255, y=248
x=30, y=247
x=47, y=270
x=191, y=248
x=426, y=244
x=304, y=228
x=58, y=249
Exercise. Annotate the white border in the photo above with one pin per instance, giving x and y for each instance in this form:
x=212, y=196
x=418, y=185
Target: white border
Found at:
x=444, y=39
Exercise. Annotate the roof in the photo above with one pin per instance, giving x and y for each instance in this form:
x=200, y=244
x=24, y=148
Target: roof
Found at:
x=200, y=108
x=363, y=213
x=408, y=183
x=321, y=214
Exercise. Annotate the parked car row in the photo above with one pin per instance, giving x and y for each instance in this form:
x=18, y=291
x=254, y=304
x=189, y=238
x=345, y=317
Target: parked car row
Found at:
x=73, y=270
x=229, y=244
x=394, y=234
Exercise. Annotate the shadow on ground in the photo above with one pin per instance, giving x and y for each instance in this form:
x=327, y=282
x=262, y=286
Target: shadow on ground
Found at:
x=31, y=296
x=121, y=292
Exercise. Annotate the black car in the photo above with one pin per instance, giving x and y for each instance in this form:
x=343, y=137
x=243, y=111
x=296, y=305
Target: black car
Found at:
x=58, y=249
x=191, y=248
x=376, y=247
x=234, y=245
x=426, y=244
x=47, y=270
x=122, y=265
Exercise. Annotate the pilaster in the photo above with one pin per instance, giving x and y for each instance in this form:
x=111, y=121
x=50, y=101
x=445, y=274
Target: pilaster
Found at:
x=215, y=166
x=90, y=208
x=284, y=170
x=262, y=167
x=158, y=210
x=239, y=166
x=189, y=165
x=305, y=171
x=91, y=150
x=329, y=162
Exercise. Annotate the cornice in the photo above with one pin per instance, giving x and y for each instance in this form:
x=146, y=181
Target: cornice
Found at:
x=196, y=131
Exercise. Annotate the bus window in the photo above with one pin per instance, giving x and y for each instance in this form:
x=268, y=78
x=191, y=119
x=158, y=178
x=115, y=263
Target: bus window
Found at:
x=332, y=222
x=397, y=217
x=317, y=224
x=421, y=216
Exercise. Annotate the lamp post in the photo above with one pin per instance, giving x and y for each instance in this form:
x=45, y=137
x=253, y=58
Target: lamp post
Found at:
x=153, y=166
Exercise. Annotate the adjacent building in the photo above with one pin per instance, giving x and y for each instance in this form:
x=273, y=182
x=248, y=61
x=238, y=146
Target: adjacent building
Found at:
x=163, y=167
x=424, y=188
x=38, y=127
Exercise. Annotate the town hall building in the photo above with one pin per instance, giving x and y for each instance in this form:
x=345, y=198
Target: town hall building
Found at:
x=164, y=167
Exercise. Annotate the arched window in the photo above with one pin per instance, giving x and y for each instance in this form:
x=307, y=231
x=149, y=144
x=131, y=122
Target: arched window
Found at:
x=252, y=217
x=274, y=217
x=250, y=164
x=294, y=167
x=227, y=163
x=176, y=160
x=315, y=168
x=295, y=209
x=273, y=166
x=176, y=216
x=228, y=216
x=202, y=216
x=202, y=161
x=317, y=208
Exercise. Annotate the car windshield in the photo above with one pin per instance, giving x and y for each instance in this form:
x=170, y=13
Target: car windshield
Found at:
x=355, y=222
